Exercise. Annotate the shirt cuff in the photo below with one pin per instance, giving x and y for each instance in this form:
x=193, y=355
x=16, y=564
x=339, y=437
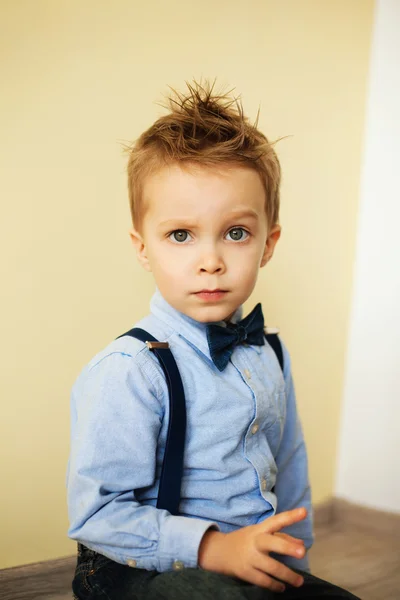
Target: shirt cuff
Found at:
x=179, y=542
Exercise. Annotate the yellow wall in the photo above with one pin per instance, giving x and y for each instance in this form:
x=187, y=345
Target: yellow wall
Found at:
x=78, y=78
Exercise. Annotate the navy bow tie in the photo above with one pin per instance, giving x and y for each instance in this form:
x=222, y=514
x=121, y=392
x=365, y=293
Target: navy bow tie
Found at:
x=222, y=340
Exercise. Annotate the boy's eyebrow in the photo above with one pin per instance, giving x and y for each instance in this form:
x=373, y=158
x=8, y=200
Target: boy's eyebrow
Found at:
x=245, y=213
x=178, y=222
x=238, y=214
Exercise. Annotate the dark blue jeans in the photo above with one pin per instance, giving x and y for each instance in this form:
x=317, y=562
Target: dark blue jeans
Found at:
x=98, y=577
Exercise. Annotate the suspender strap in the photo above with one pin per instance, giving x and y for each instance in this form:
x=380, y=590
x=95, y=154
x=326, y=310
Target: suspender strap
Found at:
x=172, y=468
x=275, y=343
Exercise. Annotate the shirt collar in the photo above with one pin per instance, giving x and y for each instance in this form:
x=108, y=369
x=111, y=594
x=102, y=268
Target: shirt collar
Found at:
x=193, y=331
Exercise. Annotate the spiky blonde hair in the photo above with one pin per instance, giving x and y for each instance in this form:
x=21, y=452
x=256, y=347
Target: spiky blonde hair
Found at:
x=207, y=129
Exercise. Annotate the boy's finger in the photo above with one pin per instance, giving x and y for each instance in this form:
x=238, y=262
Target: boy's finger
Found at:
x=273, y=543
x=281, y=520
x=260, y=578
x=290, y=538
x=279, y=571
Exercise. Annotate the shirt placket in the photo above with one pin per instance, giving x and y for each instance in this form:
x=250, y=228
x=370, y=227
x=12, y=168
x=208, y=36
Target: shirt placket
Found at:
x=252, y=444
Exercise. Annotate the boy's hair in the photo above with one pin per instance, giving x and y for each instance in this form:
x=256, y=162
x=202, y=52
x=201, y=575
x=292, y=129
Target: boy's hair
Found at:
x=203, y=129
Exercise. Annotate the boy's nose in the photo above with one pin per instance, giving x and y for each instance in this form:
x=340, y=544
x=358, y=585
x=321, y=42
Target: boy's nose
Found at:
x=211, y=262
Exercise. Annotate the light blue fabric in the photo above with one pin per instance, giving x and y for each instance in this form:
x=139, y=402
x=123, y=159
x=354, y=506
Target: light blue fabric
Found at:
x=243, y=438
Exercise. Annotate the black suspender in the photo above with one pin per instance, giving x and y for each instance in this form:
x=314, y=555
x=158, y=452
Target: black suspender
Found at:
x=172, y=468
x=275, y=343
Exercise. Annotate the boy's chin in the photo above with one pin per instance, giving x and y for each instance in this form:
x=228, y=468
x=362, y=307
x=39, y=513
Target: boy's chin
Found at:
x=211, y=314
x=203, y=311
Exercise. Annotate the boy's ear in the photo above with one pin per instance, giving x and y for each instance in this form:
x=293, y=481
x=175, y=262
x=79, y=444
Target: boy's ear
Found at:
x=272, y=239
x=140, y=248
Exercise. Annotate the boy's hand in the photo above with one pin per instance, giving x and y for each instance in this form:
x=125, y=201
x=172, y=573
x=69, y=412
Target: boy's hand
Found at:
x=245, y=553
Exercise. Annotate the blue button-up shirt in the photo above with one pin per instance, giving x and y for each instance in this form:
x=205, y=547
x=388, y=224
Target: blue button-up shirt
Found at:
x=243, y=440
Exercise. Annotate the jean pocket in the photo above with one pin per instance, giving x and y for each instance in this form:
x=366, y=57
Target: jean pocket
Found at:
x=100, y=562
x=88, y=568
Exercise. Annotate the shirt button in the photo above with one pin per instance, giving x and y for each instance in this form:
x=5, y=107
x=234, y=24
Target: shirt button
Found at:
x=247, y=373
x=131, y=563
x=178, y=565
x=255, y=428
x=263, y=484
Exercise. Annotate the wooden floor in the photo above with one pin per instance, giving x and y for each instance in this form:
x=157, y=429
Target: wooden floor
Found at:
x=363, y=562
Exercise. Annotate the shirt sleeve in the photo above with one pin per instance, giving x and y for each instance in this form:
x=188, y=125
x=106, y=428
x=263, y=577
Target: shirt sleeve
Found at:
x=292, y=486
x=116, y=417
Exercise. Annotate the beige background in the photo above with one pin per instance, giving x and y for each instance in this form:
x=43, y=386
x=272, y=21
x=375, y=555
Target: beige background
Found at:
x=78, y=78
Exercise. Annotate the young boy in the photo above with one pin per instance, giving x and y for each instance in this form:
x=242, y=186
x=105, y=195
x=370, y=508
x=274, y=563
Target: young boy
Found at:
x=204, y=197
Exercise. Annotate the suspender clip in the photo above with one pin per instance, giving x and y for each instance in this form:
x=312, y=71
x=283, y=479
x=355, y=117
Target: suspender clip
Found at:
x=154, y=345
x=271, y=330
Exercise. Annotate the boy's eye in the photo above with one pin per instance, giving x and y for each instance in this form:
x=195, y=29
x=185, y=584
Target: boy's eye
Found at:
x=238, y=234
x=180, y=235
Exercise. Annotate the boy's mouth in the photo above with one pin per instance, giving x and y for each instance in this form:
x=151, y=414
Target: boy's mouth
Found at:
x=211, y=294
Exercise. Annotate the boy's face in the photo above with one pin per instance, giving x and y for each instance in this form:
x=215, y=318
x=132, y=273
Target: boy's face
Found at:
x=202, y=230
